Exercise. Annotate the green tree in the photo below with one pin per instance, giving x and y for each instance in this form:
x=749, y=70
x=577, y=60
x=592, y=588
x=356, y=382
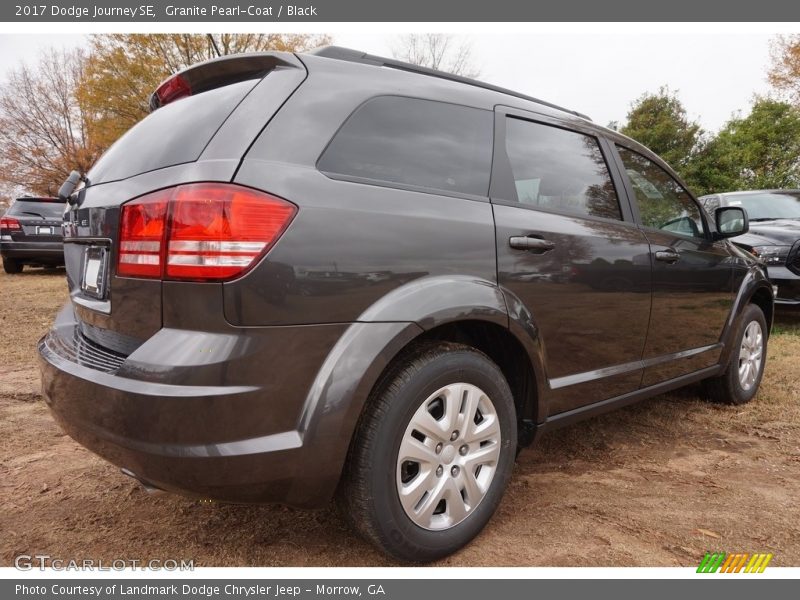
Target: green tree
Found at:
x=122, y=70
x=659, y=121
x=759, y=151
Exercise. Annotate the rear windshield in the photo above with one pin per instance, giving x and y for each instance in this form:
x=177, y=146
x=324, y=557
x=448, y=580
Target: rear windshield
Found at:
x=174, y=134
x=47, y=210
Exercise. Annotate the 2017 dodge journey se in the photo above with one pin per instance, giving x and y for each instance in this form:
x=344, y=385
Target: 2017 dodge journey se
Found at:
x=335, y=275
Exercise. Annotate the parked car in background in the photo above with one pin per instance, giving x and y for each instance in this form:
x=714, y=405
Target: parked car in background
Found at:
x=774, y=234
x=30, y=234
x=342, y=274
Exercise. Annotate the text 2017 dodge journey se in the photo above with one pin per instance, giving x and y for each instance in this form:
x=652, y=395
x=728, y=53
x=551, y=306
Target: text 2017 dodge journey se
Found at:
x=335, y=275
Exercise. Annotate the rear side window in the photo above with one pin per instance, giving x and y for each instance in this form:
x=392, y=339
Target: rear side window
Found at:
x=174, y=134
x=47, y=210
x=416, y=143
x=560, y=170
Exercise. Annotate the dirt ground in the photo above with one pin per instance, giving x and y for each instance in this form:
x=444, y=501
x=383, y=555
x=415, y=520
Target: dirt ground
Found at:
x=656, y=484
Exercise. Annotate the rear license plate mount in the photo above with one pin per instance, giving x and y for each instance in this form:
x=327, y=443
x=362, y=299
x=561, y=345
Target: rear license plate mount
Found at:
x=44, y=230
x=94, y=271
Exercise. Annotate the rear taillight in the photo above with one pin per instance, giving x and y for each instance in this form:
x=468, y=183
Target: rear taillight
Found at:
x=199, y=232
x=10, y=224
x=141, y=235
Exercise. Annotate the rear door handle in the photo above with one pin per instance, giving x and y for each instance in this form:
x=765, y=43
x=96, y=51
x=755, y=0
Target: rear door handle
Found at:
x=668, y=256
x=534, y=244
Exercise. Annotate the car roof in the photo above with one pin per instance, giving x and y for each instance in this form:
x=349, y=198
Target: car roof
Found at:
x=482, y=93
x=339, y=53
x=746, y=192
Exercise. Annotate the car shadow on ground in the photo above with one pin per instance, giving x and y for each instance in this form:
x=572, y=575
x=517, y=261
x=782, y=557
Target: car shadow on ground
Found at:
x=41, y=272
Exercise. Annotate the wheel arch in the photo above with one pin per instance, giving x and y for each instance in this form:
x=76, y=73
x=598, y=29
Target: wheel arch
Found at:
x=754, y=289
x=453, y=308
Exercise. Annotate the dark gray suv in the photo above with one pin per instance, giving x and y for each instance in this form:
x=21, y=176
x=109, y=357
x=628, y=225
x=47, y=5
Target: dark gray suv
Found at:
x=332, y=274
x=30, y=234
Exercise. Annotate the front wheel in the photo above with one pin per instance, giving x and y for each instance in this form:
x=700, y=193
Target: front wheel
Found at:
x=433, y=453
x=739, y=383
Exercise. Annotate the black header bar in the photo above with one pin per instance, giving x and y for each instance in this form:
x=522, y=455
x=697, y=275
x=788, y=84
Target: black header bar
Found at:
x=265, y=11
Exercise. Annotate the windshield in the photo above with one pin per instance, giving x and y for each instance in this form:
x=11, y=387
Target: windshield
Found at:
x=46, y=210
x=769, y=205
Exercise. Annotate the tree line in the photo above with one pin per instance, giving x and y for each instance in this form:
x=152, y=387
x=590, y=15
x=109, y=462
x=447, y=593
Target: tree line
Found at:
x=757, y=150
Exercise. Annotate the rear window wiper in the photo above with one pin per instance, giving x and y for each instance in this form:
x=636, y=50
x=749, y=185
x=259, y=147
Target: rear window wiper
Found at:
x=30, y=212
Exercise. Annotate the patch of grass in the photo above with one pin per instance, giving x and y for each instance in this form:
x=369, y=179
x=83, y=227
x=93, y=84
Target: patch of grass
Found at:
x=781, y=329
x=787, y=322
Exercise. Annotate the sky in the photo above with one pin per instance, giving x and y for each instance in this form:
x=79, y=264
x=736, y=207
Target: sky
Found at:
x=714, y=74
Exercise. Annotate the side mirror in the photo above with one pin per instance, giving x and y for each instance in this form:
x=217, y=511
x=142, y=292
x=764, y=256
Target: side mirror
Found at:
x=731, y=221
x=69, y=185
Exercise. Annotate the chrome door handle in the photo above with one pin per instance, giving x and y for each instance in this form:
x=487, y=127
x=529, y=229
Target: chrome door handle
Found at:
x=668, y=256
x=533, y=244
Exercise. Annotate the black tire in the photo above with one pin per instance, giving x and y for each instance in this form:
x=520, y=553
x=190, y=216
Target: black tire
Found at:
x=368, y=495
x=12, y=266
x=727, y=388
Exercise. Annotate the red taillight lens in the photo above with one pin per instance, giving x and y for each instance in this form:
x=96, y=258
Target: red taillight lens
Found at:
x=200, y=232
x=173, y=89
x=142, y=228
x=10, y=224
x=218, y=230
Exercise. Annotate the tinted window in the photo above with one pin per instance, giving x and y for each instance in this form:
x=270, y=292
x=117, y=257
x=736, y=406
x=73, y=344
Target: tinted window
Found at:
x=417, y=143
x=174, y=134
x=48, y=210
x=663, y=203
x=560, y=170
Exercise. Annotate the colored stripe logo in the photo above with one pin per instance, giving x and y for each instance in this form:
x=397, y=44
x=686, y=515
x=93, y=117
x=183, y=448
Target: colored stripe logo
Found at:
x=722, y=562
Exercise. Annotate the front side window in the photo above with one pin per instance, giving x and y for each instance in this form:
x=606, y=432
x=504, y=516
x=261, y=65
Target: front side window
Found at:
x=413, y=142
x=663, y=203
x=560, y=170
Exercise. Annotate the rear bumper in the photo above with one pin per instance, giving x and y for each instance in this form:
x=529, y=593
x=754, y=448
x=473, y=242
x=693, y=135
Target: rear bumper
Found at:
x=788, y=286
x=51, y=252
x=203, y=414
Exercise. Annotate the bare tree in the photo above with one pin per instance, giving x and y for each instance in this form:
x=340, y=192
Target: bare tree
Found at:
x=43, y=131
x=439, y=51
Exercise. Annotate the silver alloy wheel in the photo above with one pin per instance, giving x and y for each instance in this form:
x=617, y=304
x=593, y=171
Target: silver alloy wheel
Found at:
x=750, y=355
x=448, y=456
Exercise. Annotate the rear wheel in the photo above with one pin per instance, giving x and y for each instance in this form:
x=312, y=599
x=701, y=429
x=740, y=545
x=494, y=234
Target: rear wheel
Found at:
x=739, y=383
x=12, y=266
x=432, y=454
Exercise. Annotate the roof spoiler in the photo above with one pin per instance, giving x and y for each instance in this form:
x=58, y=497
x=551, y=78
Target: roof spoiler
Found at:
x=339, y=53
x=218, y=72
